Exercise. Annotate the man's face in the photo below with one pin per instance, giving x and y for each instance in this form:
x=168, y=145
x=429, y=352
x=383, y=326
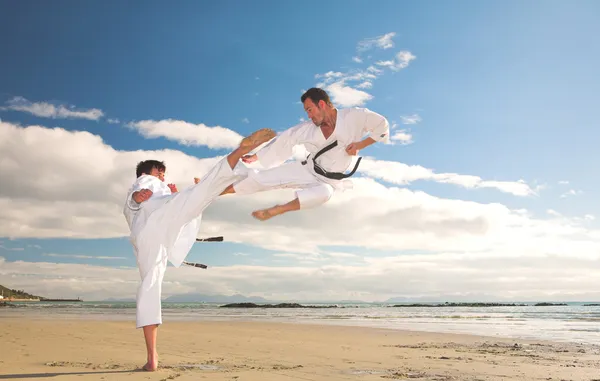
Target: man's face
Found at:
x=156, y=173
x=314, y=112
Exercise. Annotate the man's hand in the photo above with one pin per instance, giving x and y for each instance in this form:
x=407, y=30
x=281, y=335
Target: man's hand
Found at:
x=142, y=195
x=172, y=187
x=353, y=148
x=249, y=158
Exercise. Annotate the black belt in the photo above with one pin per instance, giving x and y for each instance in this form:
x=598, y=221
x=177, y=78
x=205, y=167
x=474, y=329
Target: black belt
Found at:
x=330, y=175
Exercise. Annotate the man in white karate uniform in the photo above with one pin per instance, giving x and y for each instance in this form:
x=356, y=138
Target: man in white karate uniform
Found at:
x=164, y=225
x=331, y=137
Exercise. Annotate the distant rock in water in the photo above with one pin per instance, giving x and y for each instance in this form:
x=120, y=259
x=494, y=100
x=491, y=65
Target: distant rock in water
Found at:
x=462, y=305
x=280, y=305
x=592, y=305
x=549, y=304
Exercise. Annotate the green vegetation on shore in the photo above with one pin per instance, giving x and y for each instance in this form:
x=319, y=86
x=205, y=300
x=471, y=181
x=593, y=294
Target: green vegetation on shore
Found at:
x=16, y=294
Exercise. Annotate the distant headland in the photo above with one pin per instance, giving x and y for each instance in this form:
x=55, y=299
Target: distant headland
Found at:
x=11, y=295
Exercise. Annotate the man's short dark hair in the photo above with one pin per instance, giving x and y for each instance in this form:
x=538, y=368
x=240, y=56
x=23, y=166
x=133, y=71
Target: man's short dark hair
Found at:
x=316, y=94
x=146, y=167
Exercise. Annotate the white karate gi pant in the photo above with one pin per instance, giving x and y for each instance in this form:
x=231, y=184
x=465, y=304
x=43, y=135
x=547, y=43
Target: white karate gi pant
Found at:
x=169, y=227
x=311, y=193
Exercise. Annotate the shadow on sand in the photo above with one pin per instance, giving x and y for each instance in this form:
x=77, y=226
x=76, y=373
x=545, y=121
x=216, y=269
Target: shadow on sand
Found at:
x=55, y=374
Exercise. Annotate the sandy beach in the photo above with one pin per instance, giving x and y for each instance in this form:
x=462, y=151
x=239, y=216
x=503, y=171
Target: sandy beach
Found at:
x=33, y=348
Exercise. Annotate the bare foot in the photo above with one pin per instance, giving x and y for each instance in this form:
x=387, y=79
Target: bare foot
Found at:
x=255, y=139
x=151, y=365
x=263, y=214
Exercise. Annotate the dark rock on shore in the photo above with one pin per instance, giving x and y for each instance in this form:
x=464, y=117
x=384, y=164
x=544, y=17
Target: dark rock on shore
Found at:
x=280, y=305
x=461, y=305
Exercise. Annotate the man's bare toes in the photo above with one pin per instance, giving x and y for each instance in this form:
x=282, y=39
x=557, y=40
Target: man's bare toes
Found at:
x=262, y=215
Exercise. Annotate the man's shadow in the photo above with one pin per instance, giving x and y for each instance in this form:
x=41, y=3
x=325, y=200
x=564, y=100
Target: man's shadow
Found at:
x=42, y=375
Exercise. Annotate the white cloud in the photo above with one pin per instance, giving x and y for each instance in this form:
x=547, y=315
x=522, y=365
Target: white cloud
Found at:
x=563, y=182
x=48, y=110
x=571, y=192
x=74, y=184
x=245, y=120
x=74, y=187
x=187, y=133
x=383, y=42
x=346, y=96
x=345, y=87
x=401, y=61
x=113, y=121
x=2, y=247
x=411, y=119
x=403, y=137
x=527, y=274
x=400, y=173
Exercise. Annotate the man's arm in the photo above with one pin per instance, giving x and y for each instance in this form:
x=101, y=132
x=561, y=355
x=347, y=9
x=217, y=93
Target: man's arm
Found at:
x=353, y=148
x=378, y=128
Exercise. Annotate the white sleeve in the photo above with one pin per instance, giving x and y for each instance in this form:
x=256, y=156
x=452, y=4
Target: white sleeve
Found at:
x=281, y=148
x=376, y=125
x=143, y=182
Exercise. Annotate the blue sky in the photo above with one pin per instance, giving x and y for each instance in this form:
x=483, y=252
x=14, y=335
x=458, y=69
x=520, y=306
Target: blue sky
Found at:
x=502, y=91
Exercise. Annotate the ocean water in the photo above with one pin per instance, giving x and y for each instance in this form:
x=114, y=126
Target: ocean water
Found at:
x=574, y=322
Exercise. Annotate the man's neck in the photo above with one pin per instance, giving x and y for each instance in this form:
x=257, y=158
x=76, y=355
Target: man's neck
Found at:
x=330, y=119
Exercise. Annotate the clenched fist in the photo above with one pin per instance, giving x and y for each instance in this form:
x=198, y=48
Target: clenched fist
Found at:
x=142, y=195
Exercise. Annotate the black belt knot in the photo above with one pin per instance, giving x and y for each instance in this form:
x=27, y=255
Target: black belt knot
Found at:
x=330, y=175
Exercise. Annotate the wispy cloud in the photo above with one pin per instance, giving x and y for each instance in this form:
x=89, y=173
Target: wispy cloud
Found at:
x=571, y=193
x=564, y=182
x=400, y=173
x=383, y=42
x=347, y=89
x=79, y=256
x=113, y=121
x=403, y=137
x=48, y=110
x=11, y=248
x=401, y=61
x=245, y=120
x=411, y=119
x=187, y=133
